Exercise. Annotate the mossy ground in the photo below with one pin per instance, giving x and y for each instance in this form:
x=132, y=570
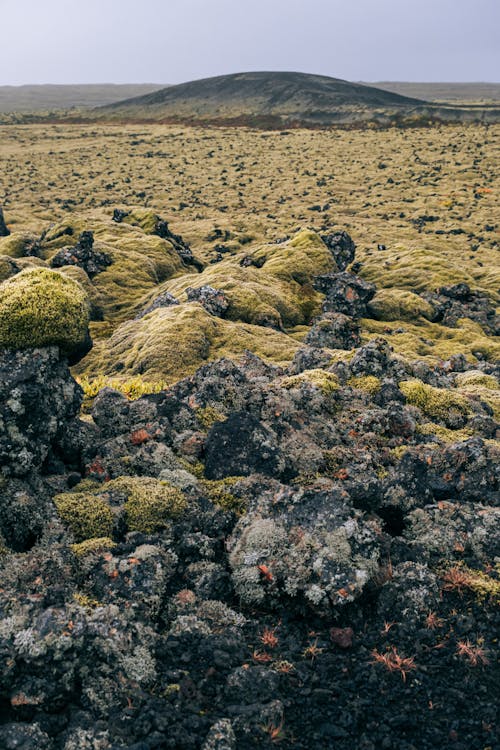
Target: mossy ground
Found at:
x=425, y=219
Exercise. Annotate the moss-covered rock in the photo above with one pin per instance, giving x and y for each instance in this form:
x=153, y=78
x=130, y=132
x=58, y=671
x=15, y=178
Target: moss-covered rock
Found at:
x=438, y=403
x=298, y=259
x=42, y=308
x=326, y=381
x=172, y=342
x=150, y=504
x=87, y=515
x=399, y=304
x=93, y=546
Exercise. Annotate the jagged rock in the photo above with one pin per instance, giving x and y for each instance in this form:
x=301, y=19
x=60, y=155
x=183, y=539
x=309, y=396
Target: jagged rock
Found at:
x=4, y=231
x=38, y=397
x=334, y=331
x=83, y=255
x=213, y=300
x=342, y=248
x=165, y=299
x=244, y=445
x=345, y=293
x=451, y=303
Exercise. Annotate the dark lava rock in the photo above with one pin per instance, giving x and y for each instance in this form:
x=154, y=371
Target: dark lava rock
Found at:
x=213, y=300
x=342, y=248
x=459, y=301
x=241, y=446
x=345, y=293
x=83, y=255
x=4, y=232
x=38, y=397
x=180, y=246
x=334, y=331
x=165, y=299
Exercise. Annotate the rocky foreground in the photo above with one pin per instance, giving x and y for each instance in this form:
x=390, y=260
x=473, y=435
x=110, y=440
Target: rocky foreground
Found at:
x=256, y=555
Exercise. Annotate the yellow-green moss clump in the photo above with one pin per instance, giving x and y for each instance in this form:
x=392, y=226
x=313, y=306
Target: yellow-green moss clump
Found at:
x=444, y=433
x=140, y=261
x=151, y=504
x=208, y=416
x=326, y=381
x=93, y=546
x=172, y=342
x=366, y=383
x=432, y=342
x=485, y=387
x=437, y=403
x=87, y=516
x=399, y=304
x=298, y=259
x=219, y=492
x=39, y=307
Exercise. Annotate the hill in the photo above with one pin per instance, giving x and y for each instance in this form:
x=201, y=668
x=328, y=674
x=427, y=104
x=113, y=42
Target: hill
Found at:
x=48, y=97
x=283, y=95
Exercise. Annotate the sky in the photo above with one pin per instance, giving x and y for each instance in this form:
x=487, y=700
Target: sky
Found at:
x=171, y=41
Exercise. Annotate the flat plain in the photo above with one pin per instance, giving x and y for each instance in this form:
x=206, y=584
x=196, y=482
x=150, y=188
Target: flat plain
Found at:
x=421, y=205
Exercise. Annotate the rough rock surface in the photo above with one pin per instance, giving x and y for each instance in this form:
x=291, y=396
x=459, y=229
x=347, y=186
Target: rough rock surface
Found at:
x=4, y=232
x=255, y=555
x=345, y=293
x=83, y=255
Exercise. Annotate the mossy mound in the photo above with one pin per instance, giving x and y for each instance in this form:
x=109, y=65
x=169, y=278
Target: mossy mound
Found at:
x=39, y=307
x=431, y=341
x=16, y=243
x=399, y=304
x=171, y=342
x=326, y=381
x=419, y=269
x=150, y=503
x=139, y=261
x=437, y=403
x=86, y=515
x=298, y=259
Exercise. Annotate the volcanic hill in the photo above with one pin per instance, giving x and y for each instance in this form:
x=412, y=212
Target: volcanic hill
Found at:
x=285, y=96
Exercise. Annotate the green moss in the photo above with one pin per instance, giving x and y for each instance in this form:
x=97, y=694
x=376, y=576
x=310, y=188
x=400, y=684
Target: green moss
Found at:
x=481, y=584
x=255, y=295
x=299, y=259
x=151, y=504
x=433, y=342
x=86, y=515
x=93, y=546
x=399, y=304
x=485, y=387
x=85, y=601
x=326, y=381
x=143, y=218
x=140, y=262
x=14, y=245
x=366, y=383
x=477, y=378
x=172, y=342
x=219, y=492
x=41, y=308
x=444, y=433
x=437, y=403
x=416, y=269
x=208, y=416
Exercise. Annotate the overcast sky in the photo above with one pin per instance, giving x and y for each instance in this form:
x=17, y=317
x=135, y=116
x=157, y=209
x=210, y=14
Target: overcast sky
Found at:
x=170, y=41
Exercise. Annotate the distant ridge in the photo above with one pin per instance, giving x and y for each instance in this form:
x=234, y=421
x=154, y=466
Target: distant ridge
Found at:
x=34, y=97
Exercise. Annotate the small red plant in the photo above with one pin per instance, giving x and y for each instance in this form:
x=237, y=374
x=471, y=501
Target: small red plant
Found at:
x=474, y=654
x=269, y=638
x=394, y=662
